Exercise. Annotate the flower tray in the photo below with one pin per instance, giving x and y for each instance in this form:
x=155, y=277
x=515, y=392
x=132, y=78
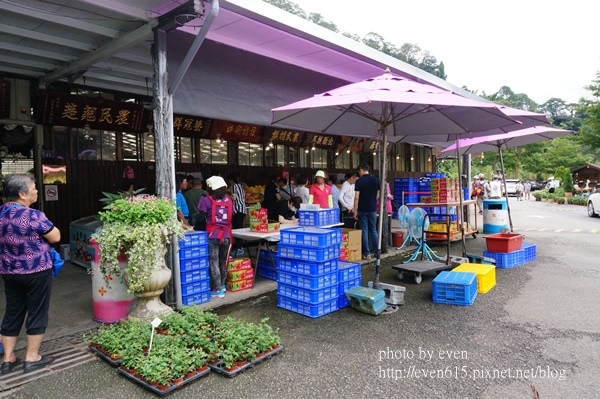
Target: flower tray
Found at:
x=103, y=355
x=219, y=368
x=157, y=390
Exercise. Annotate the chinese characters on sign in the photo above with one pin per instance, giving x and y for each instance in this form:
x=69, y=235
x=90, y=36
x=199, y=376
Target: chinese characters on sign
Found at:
x=234, y=131
x=191, y=126
x=323, y=141
x=98, y=113
x=284, y=137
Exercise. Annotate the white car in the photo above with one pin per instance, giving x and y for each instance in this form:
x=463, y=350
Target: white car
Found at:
x=593, y=204
x=511, y=186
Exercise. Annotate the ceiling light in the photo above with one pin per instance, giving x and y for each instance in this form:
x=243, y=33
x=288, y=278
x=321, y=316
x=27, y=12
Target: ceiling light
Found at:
x=306, y=150
x=348, y=151
x=218, y=138
x=337, y=153
x=374, y=153
x=412, y=157
x=429, y=158
x=313, y=147
x=397, y=156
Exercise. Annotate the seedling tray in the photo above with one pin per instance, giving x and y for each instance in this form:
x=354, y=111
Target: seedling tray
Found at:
x=219, y=368
x=104, y=356
x=171, y=388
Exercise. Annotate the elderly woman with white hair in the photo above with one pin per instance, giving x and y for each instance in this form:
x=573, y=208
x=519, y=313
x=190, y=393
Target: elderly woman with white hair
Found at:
x=26, y=267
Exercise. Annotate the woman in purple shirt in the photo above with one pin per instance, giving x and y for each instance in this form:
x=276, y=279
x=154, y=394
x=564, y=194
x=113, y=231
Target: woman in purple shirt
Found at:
x=26, y=267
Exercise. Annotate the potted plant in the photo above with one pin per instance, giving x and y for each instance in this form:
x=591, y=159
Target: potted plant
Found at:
x=537, y=195
x=139, y=227
x=568, y=184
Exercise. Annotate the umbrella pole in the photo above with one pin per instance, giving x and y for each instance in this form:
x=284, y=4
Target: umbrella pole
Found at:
x=505, y=191
x=382, y=192
x=460, y=210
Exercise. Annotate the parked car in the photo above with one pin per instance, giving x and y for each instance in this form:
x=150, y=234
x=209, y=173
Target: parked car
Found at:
x=593, y=204
x=511, y=186
x=537, y=186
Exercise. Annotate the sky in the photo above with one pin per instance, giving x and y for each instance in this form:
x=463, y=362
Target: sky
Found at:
x=544, y=49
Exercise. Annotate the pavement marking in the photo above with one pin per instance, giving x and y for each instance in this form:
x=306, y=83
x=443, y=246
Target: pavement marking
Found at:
x=559, y=230
x=576, y=230
x=594, y=231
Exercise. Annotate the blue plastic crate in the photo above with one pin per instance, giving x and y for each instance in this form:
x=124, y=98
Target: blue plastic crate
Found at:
x=310, y=237
x=263, y=254
x=343, y=302
x=195, y=287
x=318, y=217
x=194, y=276
x=306, y=268
x=346, y=285
x=529, y=252
x=311, y=283
x=506, y=260
x=267, y=272
x=196, y=299
x=193, y=252
x=348, y=271
x=194, y=239
x=186, y=265
x=455, y=288
x=308, y=296
x=309, y=254
x=307, y=309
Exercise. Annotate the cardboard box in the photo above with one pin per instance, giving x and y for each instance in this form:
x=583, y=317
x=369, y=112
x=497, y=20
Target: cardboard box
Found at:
x=258, y=215
x=237, y=275
x=352, y=244
x=239, y=264
x=240, y=285
x=264, y=227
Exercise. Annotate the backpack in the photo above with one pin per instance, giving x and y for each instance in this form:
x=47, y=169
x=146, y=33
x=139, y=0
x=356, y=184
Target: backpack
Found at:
x=478, y=191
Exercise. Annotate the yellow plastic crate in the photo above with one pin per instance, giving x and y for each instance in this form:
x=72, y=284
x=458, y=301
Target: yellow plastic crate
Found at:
x=486, y=275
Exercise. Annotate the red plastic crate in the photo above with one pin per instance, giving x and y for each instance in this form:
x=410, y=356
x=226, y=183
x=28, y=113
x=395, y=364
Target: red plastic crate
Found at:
x=504, y=242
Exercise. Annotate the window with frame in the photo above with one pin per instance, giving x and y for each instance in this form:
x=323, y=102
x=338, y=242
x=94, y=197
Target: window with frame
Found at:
x=251, y=154
x=319, y=158
x=212, y=152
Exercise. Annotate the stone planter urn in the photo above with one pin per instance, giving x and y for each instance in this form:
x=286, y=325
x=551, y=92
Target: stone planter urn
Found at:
x=148, y=304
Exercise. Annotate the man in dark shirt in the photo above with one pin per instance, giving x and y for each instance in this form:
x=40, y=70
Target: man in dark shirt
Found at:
x=192, y=198
x=287, y=209
x=365, y=203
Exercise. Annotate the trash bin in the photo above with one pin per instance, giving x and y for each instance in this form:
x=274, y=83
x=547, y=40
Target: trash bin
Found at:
x=111, y=302
x=495, y=215
x=80, y=232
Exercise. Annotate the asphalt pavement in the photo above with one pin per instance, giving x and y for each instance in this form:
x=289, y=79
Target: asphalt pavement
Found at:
x=537, y=329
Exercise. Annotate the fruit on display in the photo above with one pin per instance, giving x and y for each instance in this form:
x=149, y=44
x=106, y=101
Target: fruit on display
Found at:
x=254, y=193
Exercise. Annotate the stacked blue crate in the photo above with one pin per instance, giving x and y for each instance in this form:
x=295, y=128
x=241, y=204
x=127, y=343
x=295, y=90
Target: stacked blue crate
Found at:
x=349, y=275
x=318, y=217
x=193, y=268
x=307, y=270
x=404, y=187
x=265, y=267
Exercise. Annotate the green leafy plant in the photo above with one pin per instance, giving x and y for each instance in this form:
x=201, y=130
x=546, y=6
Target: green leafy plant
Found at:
x=568, y=182
x=137, y=227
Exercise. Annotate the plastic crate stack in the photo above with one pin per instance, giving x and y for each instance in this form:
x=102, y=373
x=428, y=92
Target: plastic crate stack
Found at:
x=349, y=275
x=265, y=267
x=444, y=190
x=509, y=250
x=193, y=268
x=307, y=270
x=403, y=186
x=318, y=217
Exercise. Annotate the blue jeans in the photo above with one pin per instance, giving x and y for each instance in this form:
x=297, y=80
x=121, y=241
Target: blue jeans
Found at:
x=368, y=224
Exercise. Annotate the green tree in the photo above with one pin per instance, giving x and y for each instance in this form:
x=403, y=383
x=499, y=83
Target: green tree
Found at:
x=319, y=20
x=288, y=6
x=590, y=110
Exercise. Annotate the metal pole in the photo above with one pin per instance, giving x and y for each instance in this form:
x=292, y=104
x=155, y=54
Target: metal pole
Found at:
x=382, y=191
x=505, y=191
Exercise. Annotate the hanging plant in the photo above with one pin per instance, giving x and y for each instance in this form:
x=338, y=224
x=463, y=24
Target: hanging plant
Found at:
x=136, y=227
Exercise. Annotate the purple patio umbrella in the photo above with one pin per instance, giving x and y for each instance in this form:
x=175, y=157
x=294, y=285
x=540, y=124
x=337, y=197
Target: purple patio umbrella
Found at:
x=393, y=108
x=499, y=142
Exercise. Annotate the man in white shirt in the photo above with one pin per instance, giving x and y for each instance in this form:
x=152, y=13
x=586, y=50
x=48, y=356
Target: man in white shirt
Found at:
x=346, y=198
x=495, y=190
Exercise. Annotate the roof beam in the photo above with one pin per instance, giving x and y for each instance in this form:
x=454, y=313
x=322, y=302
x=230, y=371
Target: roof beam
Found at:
x=119, y=7
x=44, y=37
x=27, y=62
x=60, y=20
x=18, y=48
x=114, y=47
x=21, y=72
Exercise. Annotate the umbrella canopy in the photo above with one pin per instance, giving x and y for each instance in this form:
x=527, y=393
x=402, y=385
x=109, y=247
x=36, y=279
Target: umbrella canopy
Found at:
x=411, y=109
x=502, y=141
x=395, y=108
x=499, y=142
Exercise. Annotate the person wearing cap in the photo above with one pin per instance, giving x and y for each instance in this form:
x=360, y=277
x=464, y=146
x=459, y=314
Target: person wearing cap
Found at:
x=495, y=188
x=320, y=192
x=480, y=190
x=365, y=209
x=215, y=212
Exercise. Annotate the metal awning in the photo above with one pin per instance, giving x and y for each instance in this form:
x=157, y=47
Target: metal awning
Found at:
x=109, y=42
